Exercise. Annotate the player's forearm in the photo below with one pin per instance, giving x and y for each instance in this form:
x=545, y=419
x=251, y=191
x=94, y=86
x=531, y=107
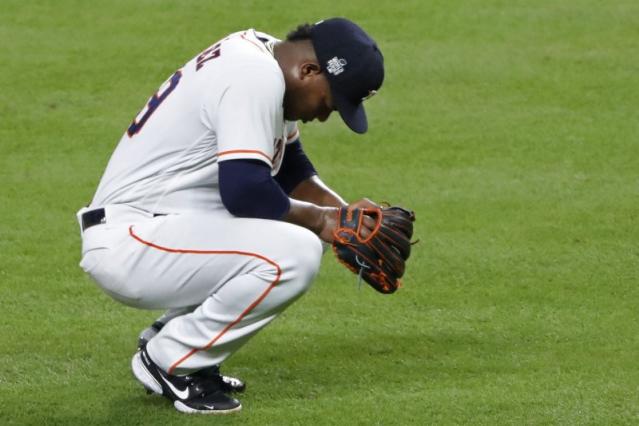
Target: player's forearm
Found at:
x=320, y=220
x=313, y=190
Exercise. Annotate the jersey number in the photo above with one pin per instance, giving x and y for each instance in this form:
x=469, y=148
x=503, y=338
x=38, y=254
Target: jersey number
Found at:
x=166, y=89
x=210, y=53
x=153, y=104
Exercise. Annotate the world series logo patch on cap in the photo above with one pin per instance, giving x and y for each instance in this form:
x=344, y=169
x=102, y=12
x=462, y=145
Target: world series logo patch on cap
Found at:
x=336, y=65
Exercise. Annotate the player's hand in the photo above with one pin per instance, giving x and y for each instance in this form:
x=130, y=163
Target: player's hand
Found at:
x=324, y=220
x=330, y=221
x=364, y=203
x=367, y=221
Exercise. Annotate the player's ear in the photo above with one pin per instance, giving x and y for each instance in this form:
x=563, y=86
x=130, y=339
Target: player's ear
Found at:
x=310, y=69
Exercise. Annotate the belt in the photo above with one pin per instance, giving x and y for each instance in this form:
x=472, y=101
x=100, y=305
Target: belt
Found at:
x=98, y=217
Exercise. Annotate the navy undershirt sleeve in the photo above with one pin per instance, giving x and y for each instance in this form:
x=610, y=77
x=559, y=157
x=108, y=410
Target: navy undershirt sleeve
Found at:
x=248, y=190
x=295, y=168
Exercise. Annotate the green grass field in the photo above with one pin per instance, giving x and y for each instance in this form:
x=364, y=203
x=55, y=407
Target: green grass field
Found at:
x=511, y=127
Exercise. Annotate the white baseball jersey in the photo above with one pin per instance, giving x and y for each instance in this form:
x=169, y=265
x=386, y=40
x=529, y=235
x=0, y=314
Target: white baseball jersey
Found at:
x=227, y=276
x=226, y=103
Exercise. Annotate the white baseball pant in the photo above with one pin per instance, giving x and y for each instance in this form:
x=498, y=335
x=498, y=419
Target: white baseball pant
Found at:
x=238, y=273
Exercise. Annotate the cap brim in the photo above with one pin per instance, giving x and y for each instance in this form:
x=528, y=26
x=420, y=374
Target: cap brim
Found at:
x=353, y=114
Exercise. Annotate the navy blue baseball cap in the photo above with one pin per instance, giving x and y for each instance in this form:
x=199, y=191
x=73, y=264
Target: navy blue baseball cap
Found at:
x=353, y=65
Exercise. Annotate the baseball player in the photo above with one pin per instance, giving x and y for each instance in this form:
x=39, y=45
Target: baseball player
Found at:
x=209, y=207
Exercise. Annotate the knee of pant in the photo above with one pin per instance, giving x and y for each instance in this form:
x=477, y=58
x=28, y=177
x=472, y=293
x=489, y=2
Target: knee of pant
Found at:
x=303, y=257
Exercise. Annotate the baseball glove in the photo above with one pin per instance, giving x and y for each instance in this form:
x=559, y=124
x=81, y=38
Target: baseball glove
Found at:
x=380, y=258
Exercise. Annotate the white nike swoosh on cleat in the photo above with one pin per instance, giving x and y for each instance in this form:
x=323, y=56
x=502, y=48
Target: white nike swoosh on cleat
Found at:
x=182, y=394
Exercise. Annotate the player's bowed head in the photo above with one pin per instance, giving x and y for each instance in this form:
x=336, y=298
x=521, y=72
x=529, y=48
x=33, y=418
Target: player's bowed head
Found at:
x=332, y=65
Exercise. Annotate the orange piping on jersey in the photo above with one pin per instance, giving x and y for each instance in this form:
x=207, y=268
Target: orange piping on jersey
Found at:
x=251, y=41
x=293, y=135
x=243, y=314
x=245, y=151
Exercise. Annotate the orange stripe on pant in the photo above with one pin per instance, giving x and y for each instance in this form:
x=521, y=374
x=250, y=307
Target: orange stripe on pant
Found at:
x=242, y=315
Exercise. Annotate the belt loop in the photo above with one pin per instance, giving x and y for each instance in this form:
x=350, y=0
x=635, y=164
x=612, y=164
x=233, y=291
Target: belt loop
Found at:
x=92, y=218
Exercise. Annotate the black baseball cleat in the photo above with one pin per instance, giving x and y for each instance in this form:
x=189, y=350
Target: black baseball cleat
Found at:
x=148, y=333
x=190, y=394
x=228, y=384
